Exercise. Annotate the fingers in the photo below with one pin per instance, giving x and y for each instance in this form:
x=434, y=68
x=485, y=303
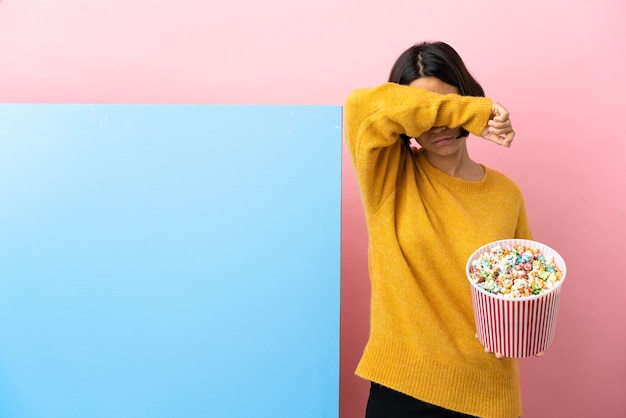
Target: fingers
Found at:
x=502, y=356
x=502, y=131
x=499, y=128
x=499, y=356
x=501, y=136
x=498, y=112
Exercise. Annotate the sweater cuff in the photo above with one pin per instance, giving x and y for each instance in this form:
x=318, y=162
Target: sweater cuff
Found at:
x=469, y=112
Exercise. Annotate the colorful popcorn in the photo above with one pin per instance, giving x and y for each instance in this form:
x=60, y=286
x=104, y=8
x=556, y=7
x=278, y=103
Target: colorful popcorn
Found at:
x=514, y=271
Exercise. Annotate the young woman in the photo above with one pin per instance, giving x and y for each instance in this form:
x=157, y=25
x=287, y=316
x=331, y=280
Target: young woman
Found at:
x=428, y=206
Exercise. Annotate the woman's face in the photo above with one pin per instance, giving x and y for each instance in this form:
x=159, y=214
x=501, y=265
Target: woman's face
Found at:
x=439, y=139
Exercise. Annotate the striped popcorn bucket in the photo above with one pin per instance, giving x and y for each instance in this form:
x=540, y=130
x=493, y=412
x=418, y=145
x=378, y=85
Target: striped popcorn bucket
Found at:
x=516, y=327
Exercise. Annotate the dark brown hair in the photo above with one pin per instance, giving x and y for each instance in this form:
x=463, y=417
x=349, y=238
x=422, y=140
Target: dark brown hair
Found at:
x=435, y=59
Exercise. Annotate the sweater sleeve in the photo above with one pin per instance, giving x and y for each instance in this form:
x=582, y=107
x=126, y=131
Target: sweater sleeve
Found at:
x=523, y=230
x=374, y=118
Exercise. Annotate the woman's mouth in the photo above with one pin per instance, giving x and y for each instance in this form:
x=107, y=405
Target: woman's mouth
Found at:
x=443, y=140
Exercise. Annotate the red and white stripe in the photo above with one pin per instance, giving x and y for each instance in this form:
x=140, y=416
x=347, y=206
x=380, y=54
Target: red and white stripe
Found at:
x=516, y=327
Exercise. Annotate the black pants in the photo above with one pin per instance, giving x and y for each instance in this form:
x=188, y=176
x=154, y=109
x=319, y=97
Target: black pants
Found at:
x=388, y=403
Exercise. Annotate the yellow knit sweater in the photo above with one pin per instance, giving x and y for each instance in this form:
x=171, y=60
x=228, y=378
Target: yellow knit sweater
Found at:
x=423, y=225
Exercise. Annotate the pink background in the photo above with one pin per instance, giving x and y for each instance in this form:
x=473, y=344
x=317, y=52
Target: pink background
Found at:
x=558, y=66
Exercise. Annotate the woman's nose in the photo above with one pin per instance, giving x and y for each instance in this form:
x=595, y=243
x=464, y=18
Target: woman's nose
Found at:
x=437, y=129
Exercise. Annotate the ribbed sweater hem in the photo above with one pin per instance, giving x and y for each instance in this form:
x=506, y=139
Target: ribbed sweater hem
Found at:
x=444, y=382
